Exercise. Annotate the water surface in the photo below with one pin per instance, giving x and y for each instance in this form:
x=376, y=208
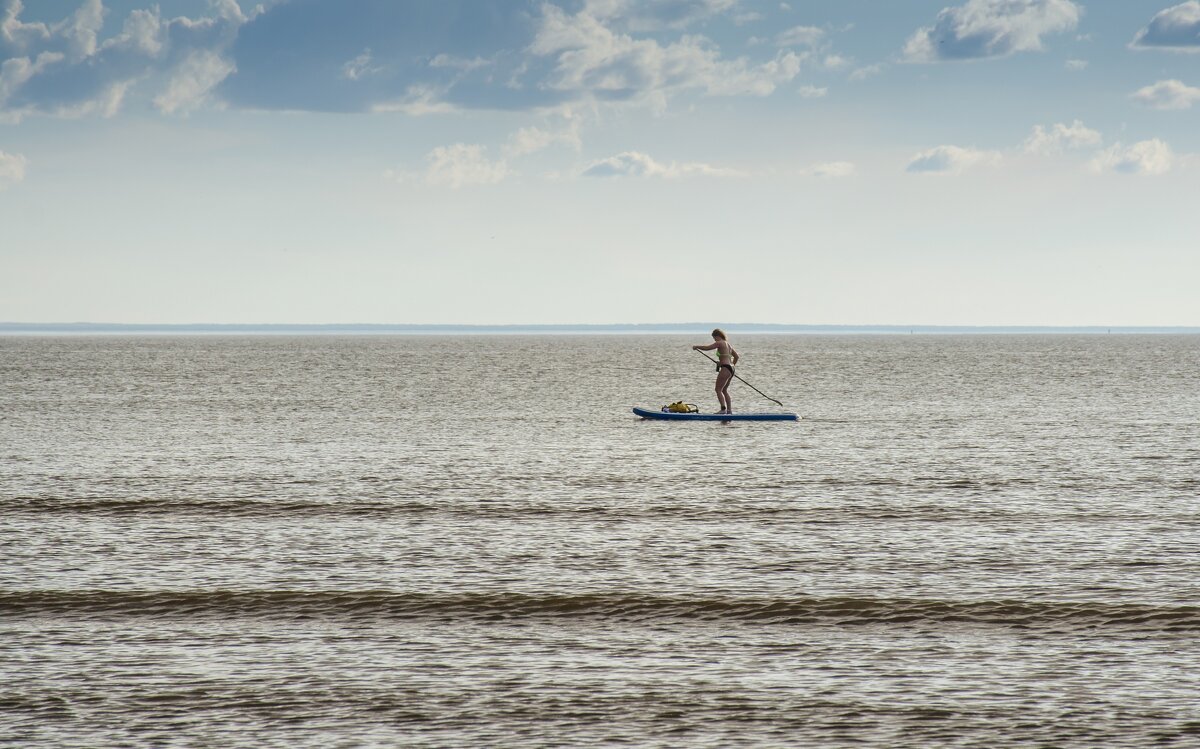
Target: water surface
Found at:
x=459, y=541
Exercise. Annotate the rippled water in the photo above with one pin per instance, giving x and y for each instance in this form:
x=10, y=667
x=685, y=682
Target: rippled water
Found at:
x=465, y=541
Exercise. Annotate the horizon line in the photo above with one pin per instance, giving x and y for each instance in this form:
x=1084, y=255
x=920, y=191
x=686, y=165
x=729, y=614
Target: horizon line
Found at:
x=661, y=328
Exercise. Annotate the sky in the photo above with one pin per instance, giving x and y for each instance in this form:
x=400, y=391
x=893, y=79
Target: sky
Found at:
x=987, y=162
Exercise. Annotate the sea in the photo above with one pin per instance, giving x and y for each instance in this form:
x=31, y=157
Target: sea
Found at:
x=471, y=541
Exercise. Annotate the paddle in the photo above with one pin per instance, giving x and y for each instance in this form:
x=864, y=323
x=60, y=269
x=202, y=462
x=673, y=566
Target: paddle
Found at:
x=714, y=361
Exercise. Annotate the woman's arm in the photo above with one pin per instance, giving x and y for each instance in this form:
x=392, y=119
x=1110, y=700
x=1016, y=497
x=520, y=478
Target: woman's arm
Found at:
x=735, y=354
x=709, y=347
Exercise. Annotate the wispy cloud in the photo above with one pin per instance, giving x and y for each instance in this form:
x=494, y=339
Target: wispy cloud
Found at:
x=66, y=69
x=831, y=169
x=192, y=83
x=12, y=169
x=1075, y=65
x=990, y=28
x=529, y=140
x=1172, y=94
x=593, y=61
x=361, y=66
x=1176, y=28
x=865, y=72
x=951, y=160
x=655, y=15
x=1060, y=137
x=463, y=164
x=800, y=36
x=1147, y=157
x=636, y=164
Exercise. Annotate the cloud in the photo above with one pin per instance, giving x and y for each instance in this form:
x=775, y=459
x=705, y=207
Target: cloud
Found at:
x=865, y=72
x=192, y=81
x=361, y=66
x=1148, y=157
x=12, y=169
x=462, y=164
x=515, y=55
x=1172, y=94
x=951, y=160
x=1075, y=65
x=529, y=140
x=1176, y=28
x=656, y=15
x=831, y=169
x=800, y=36
x=1060, y=137
x=836, y=62
x=376, y=55
x=65, y=68
x=635, y=164
x=990, y=28
x=386, y=55
x=593, y=61
x=812, y=92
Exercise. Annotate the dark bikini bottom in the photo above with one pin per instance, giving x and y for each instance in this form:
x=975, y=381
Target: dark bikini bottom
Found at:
x=725, y=366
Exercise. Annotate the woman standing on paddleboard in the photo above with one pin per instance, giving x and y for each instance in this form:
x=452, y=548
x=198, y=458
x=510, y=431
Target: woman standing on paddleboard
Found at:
x=728, y=357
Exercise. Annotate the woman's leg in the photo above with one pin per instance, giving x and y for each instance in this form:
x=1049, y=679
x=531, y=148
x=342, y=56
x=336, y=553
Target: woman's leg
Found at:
x=723, y=378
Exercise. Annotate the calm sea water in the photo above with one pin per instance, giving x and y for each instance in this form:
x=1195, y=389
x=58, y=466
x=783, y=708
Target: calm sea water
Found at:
x=470, y=541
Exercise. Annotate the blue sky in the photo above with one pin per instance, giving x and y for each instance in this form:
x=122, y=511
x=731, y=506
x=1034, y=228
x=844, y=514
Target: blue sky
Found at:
x=1004, y=162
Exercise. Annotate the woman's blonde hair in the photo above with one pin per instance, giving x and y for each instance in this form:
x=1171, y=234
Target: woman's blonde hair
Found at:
x=718, y=333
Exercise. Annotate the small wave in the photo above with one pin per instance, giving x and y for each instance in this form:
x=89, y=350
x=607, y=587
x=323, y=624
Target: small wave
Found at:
x=616, y=607
x=399, y=508
x=225, y=507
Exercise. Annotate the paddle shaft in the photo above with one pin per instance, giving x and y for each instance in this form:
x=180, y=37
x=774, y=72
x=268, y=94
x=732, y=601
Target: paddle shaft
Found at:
x=714, y=361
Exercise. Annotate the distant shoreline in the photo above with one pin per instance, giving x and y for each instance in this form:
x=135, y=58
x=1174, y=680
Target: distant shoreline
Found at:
x=17, y=328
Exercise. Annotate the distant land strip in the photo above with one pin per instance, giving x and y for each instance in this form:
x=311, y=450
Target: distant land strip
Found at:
x=24, y=328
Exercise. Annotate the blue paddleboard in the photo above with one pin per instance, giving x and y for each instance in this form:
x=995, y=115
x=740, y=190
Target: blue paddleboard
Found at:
x=646, y=413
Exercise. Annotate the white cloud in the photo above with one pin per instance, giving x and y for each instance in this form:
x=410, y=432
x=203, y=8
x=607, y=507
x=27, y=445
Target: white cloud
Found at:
x=655, y=15
x=836, y=62
x=800, y=36
x=457, y=63
x=360, y=67
x=16, y=71
x=79, y=30
x=418, y=101
x=951, y=160
x=635, y=164
x=861, y=74
x=1060, y=137
x=831, y=169
x=1148, y=157
x=529, y=140
x=12, y=169
x=64, y=69
x=990, y=28
x=1176, y=28
x=16, y=36
x=462, y=164
x=592, y=59
x=143, y=33
x=1075, y=65
x=812, y=92
x=192, y=81
x=1172, y=94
